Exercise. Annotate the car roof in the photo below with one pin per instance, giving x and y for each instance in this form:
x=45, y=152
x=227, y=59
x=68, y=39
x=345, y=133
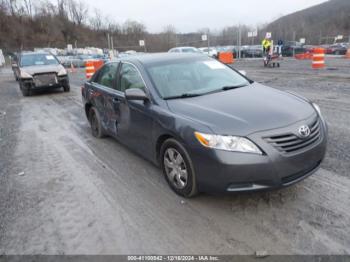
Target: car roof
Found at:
x=180, y=47
x=155, y=58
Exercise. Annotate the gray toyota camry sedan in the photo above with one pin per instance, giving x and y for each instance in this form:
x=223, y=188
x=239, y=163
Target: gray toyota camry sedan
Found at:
x=207, y=126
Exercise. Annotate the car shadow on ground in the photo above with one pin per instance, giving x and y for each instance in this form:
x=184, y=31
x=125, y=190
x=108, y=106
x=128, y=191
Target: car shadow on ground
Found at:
x=48, y=91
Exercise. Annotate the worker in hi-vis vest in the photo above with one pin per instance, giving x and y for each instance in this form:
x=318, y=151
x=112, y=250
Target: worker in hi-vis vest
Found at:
x=266, y=44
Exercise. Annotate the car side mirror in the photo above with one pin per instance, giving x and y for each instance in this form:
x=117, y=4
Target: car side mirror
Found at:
x=242, y=72
x=135, y=94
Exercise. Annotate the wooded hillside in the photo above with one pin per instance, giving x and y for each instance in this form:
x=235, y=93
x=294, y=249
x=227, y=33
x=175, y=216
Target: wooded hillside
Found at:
x=328, y=19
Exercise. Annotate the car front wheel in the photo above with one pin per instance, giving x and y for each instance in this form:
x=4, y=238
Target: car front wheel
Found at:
x=66, y=88
x=178, y=169
x=25, y=91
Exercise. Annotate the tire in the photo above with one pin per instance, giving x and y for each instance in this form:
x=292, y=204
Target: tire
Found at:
x=95, y=123
x=66, y=88
x=180, y=176
x=25, y=91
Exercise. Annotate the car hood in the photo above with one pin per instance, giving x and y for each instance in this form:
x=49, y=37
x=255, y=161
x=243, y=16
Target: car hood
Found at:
x=245, y=110
x=42, y=69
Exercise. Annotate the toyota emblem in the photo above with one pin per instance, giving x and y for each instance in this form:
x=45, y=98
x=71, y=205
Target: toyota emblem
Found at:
x=304, y=131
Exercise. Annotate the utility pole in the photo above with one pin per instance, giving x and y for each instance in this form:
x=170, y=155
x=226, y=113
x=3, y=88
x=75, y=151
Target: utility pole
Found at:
x=208, y=41
x=239, y=40
x=108, y=41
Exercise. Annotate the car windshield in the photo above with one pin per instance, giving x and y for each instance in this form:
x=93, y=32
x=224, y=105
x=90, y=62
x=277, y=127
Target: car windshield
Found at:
x=38, y=60
x=191, y=78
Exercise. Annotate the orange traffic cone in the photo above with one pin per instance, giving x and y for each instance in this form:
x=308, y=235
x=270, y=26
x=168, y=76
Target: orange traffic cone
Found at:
x=226, y=57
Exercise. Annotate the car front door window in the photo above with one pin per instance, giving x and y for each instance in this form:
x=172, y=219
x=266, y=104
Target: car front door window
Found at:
x=136, y=116
x=107, y=75
x=130, y=78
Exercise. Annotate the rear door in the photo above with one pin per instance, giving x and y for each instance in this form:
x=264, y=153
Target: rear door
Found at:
x=104, y=89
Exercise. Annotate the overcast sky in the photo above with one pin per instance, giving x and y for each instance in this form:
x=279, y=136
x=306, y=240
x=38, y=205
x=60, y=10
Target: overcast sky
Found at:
x=191, y=15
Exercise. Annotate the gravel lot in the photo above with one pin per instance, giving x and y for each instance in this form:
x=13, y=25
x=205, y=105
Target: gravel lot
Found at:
x=64, y=192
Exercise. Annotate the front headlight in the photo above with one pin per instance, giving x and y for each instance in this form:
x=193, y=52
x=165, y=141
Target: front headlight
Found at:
x=317, y=108
x=228, y=143
x=62, y=72
x=25, y=75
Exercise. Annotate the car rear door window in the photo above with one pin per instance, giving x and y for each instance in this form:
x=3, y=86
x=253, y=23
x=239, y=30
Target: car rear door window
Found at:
x=107, y=76
x=130, y=78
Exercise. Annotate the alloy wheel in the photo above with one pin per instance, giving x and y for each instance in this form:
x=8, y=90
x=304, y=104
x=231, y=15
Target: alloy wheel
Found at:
x=175, y=168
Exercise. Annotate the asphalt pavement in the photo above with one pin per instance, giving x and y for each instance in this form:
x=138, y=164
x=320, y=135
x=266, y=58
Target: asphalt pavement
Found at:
x=64, y=192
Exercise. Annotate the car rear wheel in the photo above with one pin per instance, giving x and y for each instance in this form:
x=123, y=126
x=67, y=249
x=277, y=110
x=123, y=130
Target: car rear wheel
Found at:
x=95, y=123
x=178, y=169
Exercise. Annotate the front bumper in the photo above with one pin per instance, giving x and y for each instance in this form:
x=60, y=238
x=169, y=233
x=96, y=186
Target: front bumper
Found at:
x=222, y=171
x=30, y=84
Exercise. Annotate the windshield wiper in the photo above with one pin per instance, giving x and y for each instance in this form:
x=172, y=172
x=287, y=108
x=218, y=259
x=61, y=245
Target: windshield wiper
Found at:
x=225, y=88
x=185, y=95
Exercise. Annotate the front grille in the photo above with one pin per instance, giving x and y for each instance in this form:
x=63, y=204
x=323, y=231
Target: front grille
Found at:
x=290, y=143
x=45, y=79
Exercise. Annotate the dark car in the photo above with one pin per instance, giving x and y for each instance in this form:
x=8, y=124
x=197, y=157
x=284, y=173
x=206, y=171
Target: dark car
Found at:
x=252, y=51
x=40, y=70
x=292, y=48
x=207, y=126
x=337, y=49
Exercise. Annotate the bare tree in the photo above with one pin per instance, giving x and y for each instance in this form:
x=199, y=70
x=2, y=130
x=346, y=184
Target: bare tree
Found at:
x=169, y=33
x=78, y=11
x=28, y=7
x=96, y=20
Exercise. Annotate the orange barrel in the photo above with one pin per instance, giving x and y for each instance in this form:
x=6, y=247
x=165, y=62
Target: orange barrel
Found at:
x=348, y=54
x=89, y=69
x=98, y=64
x=226, y=57
x=318, y=58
